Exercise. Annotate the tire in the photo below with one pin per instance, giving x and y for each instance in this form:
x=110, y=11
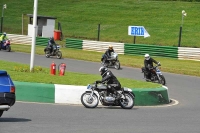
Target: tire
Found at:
x=8, y=48
x=128, y=102
x=105, y=64
x=59, y=55
x=162, y=81
x=89, y=102
x=117, y=65
x=47, y=53
x=1, y=112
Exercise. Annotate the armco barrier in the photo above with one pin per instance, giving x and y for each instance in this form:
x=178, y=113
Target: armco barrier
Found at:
x=99, y=46
x=27, y=40
x=42, y=41
x=153, y=50
x=121, y=48
x=74, y=43
x=189, y=53
x=70, y=94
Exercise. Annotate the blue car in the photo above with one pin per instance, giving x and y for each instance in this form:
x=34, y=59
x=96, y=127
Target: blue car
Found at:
x=7, y=92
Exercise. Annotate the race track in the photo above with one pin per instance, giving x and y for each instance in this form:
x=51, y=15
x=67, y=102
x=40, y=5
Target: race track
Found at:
x=49, y=118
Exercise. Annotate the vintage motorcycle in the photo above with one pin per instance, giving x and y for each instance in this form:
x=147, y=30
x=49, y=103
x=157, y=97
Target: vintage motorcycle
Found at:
x=112, y=61
x=90, y=99
x=56, y=52
x=156, y=75
x=5, y=45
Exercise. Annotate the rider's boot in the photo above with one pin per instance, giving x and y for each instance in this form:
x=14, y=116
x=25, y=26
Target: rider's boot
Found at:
x=101, y=60
x=118, y=95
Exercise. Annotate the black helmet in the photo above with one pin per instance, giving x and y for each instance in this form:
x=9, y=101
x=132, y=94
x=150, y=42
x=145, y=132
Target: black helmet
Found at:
x=51, y=39
x=102, y=70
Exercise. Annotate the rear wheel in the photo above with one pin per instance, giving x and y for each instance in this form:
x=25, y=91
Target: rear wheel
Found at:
x=1, y=112
x=127, y=102
x=47, y=53
x=89, y=101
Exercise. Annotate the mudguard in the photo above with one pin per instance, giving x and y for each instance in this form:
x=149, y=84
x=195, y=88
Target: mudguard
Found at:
x=129, y=91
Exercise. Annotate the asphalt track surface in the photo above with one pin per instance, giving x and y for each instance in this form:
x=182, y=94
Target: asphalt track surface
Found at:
x=183, y=116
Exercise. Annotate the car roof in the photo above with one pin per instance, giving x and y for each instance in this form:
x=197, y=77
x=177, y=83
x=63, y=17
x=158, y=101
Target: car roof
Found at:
x=3, y=72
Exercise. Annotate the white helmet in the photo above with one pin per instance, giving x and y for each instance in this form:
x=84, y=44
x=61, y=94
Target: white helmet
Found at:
x=110, y=47
x=146, y=56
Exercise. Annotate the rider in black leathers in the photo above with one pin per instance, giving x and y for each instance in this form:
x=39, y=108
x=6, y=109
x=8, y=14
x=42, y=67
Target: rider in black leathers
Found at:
x=51, y=42
x=148, y=65
x=111, y=81
x=107, y=54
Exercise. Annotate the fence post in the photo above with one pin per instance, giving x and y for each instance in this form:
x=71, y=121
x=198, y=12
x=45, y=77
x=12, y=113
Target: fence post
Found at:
x=179, y=42
x=134, y=40
x=98, y=32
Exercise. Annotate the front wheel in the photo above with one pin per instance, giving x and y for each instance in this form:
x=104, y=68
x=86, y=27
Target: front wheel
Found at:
x=59, y=55
x=1, y=112
x=89, y=101
x=117, y=65
x=127, y=101
x=105, y=63
x=162, y=80
x=8, y=48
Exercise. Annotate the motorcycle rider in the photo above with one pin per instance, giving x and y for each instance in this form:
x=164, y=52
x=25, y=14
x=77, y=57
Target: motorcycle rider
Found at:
x=148, y=65
x=111, y=81
x=107, y=54
x=51, y=42
x=3, y=38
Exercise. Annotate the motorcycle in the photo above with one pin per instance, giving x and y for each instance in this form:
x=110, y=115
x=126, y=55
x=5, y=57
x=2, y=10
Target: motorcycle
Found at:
x=90, y=99
x=156, y=75
x=112, y=61
x=5, y=45
x=56, y=52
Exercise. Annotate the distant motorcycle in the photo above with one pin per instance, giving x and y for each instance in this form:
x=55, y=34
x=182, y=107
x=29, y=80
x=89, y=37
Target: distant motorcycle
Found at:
x=112, y=61
x=156, y=75
x=5, y=45
x=56, y=52
x=90, y=99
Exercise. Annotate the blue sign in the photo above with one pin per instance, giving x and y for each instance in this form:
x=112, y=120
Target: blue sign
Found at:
x=137, y=31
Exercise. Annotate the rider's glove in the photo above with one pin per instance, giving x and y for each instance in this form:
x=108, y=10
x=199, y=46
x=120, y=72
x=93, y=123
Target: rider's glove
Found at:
x=159, y=64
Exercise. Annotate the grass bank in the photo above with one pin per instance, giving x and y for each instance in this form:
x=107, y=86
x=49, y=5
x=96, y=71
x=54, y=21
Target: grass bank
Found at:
x=186, y=67
x=80, y=19
x=20, y=72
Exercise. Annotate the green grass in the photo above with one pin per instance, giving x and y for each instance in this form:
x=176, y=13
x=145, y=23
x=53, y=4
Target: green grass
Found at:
x=20, y=72
x=168, y=64
x=80, y=19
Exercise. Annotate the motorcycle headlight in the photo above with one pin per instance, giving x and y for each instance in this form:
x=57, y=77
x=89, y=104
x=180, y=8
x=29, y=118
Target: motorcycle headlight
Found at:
x=89, y=86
